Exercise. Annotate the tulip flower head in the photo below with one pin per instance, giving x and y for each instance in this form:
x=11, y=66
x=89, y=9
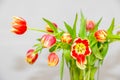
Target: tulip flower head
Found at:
x=101, y=35
x=66, y=38
x=53, y=59
x=90, y=25
x=79, y=50
x=48, y=40
x=49, y=29
x=18, y=25
x=31, y=56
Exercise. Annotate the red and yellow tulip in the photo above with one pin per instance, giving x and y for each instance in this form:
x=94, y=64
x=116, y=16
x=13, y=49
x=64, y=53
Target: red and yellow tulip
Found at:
x=48, y=40
x=79, y=50
x=101, y=35
x=18, y=25
x=31, y=56
x=66, y=38
x=53, y=59
x=49, y=29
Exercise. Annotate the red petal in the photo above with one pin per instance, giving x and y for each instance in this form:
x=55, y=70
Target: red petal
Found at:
x=74, y=54
x=81, y=59
x=77, y=40
x=88, y=51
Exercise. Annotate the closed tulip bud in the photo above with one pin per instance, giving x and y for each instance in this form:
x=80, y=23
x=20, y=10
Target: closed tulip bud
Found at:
x=49, y=29
x=48, y=40
x=66, y=38
x=53, y=59
x=18, y=25
x=90, y=25
x=31, y=56
x=101, y=35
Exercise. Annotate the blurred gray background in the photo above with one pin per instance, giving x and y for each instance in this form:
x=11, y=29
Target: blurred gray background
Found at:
x=13, y=47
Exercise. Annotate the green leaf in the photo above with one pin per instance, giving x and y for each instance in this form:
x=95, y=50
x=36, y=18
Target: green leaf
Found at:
x=111, y=28
x=82, y=32
x=65, y=46
x=62, y=67
x=69, y=29
x=51, y=25
x=74, y=26
x=52, y=48
x=105, y=49
x=93, y=60
x=96, y=52
x=114, y=37
x=67, y=56
x=55, y=47
x=59, y=34
x=38, y=48
x=97, y=25
x=93, y=71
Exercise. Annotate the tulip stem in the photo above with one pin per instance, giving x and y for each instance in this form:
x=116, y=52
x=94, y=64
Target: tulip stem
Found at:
x=39, y=30
x=114, y=37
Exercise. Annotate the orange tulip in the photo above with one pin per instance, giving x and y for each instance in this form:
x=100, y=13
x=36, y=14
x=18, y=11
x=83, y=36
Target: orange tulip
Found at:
x=66, y=38
x=101, y=35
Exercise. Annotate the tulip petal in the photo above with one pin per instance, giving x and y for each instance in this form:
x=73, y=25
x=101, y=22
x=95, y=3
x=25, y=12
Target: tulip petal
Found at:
x=81, y=66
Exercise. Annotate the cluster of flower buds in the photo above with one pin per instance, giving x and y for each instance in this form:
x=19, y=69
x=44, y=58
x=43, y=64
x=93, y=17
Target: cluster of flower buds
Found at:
x=19, y=27
x=79, y=49
x=100, y=35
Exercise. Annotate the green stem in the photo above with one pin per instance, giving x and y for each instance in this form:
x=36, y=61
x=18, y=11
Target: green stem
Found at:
x=93, y=43
x=39, y=30
x=114, y=37
x=57, y=46
x=89, y=71
x=84, y=76
x=88, y=78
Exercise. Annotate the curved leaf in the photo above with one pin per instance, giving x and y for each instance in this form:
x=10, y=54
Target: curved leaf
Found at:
x=51, y=25
x=111, y=28
x=82, y=32
x=96, y=52
x=69, y=29
x=74, y=26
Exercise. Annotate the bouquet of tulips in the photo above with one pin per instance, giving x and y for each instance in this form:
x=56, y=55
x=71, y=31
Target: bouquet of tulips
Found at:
x=83, y=46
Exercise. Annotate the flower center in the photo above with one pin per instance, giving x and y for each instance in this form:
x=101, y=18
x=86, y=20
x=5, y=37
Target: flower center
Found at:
x=80, y=48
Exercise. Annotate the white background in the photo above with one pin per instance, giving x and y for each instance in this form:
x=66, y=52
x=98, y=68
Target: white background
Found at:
x=13, y=47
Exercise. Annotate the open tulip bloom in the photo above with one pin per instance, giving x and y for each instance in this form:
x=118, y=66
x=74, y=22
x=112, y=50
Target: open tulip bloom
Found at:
x=82, y=46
